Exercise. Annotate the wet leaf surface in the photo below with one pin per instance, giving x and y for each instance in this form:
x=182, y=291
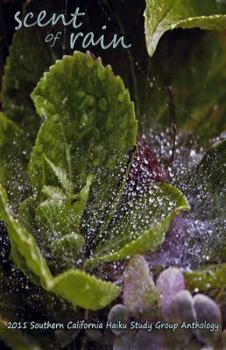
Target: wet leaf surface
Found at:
x=169, y=14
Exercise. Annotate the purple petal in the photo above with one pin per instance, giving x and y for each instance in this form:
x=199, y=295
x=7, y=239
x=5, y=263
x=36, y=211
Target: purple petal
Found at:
x=139, y=294
x=169, y=283
x=207, y=312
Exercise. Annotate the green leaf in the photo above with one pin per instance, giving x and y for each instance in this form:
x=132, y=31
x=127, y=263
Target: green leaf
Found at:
x=61, y=176
x=200, y=106
x=92, y=125
x=24, y=244
x=164, y=15
x=27, y=213
x=142, y=223
x=206, y=279
x=19, y=298
x=68, y=249
x=211, y=171
x=8, y=132
x=55, y=193
x=60, y=230
x=92, y=293
x=206, y=188
x=28, y=58
x=207, y=184
x=73, y=285
x=59, y=220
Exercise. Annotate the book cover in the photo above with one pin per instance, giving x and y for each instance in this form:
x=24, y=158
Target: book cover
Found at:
x=112, y=175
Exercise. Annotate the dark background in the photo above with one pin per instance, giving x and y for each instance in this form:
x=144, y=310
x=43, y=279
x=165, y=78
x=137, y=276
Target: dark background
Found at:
x=120, y=19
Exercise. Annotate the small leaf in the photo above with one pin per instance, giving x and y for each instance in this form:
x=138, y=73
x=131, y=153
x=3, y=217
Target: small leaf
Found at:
x=171, y=14
x=85, y=290
x=68, y=248
x=62, y=177
x=59, y=220
x=55, y=193
x=73, y=285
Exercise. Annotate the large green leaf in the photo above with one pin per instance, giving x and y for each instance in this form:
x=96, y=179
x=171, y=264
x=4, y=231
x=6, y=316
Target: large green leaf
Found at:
x=164, y=15
x=90, y=127
x=89, y=116
x=75, y=286
x=206, y=222
x=140, y=224
x=196, y=71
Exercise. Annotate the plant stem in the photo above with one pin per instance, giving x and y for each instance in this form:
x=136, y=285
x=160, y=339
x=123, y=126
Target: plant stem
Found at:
x=171, y=106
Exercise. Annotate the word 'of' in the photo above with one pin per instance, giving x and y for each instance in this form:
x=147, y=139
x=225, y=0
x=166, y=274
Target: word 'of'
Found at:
x=86, y=39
